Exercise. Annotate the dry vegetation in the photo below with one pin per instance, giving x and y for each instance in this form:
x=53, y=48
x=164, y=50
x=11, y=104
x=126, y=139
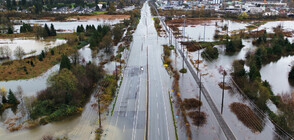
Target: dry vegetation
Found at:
x=191, y=103
x=199, y=119
x=226, y=87
x=104, y=16
x=247, y=116
x=191, y=46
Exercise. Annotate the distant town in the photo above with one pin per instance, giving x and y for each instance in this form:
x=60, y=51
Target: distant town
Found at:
x=250, y=7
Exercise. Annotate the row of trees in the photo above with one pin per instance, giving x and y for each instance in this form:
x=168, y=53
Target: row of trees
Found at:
x=45, y=31
x=26, y=28
x=271, y=50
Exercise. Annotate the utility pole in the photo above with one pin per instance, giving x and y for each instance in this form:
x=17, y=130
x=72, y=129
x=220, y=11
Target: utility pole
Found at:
x=204, y=33
x=115, y=71
x=99, y=112
x=171, y=37
x=184, y=41
x=198, y=62
x=200, y=94
x=224, y=74
x=200, y=88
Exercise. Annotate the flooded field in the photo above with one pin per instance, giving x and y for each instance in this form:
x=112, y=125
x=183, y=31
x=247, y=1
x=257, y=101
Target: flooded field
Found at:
x=286, y=25
x=276, y=73
x=69, y=26
x=205, y=31
x=29, y=45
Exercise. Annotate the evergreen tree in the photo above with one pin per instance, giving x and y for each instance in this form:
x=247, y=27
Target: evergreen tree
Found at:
x=291, y=74
x=10, y=30
x=1, y=106
x=4, y=100
x=8, y=4
x=23, y=2
x=52, y=30
x=103, y=6
x=47, y=30
x=82, y=29
x=43, y=54
x=253, y=73
x=13, y=3
x=52, y=52
x=65, y=62
x=11, y=98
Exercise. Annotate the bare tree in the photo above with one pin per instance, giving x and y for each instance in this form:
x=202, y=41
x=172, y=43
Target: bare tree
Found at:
x=5, y=52
x=19, y=52
x=76, y=57
x=28, y=101
x=46, y=49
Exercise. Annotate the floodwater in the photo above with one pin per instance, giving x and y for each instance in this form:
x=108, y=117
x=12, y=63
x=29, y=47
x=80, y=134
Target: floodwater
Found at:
x=276, y=73
x=286, y=25
x=74, y=127
x=206, y=31
x=78, y=127
x=211, y=77
x=69, y=26
x=29, y=44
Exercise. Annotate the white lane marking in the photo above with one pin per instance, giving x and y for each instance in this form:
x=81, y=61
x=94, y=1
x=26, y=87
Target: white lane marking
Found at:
x=157, y=105
x=157, y=116
x=158, y=131
x=124, y=128
x=121, y=98
x=165, y=114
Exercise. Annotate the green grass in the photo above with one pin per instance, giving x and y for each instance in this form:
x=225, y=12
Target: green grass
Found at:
x=172, y=109
x=99, y=12
x=116, y=95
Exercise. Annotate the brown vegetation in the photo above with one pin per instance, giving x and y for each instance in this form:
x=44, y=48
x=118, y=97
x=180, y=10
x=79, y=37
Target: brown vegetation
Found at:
x=16, y=69
x=225, y=86
x=104, y=16
x=247, y=116
x=191, y=21
x=191, y=46
x=191, y=103
x=199, y=119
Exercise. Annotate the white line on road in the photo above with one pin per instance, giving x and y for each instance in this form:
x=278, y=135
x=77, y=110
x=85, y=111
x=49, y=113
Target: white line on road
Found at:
x=124, y=128
x=124, y=87
x=158, y=131
x=157, y=105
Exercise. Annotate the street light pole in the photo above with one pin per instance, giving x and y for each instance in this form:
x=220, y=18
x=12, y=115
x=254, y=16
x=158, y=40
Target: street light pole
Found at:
x=99, y=112
x=224, y=74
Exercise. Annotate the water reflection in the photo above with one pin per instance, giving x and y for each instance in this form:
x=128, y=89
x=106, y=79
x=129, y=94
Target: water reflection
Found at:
x=29, y=45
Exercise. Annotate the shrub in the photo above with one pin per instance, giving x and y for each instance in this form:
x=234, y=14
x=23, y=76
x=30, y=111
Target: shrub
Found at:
x=191, y=103
x=247, y=116
x=183, y=70
x=210, y=53
x=199, y=119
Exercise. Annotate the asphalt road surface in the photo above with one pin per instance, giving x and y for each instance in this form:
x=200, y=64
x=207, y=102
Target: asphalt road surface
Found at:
x=129, y=120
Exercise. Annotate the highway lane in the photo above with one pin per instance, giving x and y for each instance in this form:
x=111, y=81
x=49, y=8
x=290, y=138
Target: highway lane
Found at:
x=128, y=120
